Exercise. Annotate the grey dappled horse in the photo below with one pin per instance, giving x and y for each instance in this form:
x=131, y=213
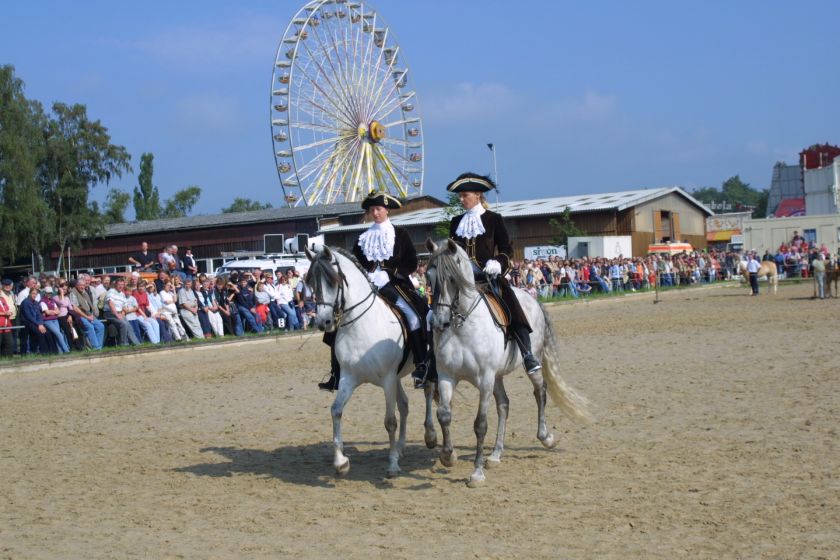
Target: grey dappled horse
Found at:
x=469, y=346
x=369, y=345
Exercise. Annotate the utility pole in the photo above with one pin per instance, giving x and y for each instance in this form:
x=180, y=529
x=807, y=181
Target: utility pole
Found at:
x=492, y=148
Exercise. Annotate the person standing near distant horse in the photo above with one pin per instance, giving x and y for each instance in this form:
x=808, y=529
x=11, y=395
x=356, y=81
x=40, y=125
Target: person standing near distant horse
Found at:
x=482, y=234
x=753, y=266
x=819, y=275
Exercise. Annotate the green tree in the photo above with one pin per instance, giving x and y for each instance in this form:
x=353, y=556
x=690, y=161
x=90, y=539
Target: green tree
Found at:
x=79, y=156
x=737, y=195
x=116, y=204
x=707, y=195
x=146, y=195
x=245, y=205
x=565, y=228
x=24, y=215
x=181, y=202
x=452, y=209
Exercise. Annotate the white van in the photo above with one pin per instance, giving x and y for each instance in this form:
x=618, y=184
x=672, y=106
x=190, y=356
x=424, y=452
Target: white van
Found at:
x=246, y=261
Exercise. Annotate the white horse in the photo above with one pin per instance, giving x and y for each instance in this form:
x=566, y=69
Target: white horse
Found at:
x=368, y=346
x=469, y=346
x=768, y=269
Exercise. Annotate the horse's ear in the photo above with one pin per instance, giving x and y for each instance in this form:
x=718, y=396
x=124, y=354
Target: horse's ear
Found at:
x=309, y=254
x=326, y=253
x=451, y=246
x=431, y=245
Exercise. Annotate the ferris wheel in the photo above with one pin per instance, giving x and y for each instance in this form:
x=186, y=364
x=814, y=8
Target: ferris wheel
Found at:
x=343, y=120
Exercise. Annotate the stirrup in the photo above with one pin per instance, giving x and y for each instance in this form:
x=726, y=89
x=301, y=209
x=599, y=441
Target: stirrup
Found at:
x=531, y=363
x=419, y=374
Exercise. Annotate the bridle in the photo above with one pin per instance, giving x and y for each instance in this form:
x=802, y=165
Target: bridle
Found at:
x=338, y=305
x=458, y=318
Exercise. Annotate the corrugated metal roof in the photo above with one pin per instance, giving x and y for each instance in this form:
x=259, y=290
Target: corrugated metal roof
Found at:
x=541, y=207
x=238, y=218
x=234, y=218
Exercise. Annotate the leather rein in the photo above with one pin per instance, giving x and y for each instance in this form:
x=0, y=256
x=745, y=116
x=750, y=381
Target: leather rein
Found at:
x=338, y=306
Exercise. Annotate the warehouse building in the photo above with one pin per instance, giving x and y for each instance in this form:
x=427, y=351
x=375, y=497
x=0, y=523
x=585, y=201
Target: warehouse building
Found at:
x=644, y=217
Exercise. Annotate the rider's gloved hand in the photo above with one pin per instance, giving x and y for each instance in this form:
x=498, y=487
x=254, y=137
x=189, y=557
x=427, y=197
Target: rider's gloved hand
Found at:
x=492, y=268
x=379, y=278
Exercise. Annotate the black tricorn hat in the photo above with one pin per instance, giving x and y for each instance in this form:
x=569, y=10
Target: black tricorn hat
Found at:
x=471, y=182
x=381, y=199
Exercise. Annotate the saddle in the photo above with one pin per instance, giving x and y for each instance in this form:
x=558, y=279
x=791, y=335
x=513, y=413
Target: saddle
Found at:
x=498, y=310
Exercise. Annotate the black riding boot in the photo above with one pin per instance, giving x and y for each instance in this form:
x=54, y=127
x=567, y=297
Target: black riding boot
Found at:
x=335, y=372
x=523, y=340
x=431, y=370
x=418, y=348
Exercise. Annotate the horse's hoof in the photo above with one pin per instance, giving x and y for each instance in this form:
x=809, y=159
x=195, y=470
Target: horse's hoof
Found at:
x=448, y=459
x=492, y=462
x=549, y=442
x=431, y=439
x=393, y=473
x=476, y=480
x=343, y=468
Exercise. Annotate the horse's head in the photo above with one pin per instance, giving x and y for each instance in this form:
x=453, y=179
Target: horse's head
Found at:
x=327, y=283
x=448, y=273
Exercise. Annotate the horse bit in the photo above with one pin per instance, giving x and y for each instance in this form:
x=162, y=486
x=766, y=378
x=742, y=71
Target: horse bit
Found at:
x=458, y=318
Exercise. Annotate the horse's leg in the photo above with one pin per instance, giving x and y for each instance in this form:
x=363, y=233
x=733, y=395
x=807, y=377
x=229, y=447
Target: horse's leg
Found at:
x=430, y=435
x=444, y=414
x=540, y=394
x=389, y=388
x=502, y=406
x=402, y=407
x=480, y=427
x=345, y=391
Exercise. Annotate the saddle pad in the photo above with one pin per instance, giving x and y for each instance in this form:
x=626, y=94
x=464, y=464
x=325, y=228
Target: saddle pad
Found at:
x=497, y=309
x=404, y=325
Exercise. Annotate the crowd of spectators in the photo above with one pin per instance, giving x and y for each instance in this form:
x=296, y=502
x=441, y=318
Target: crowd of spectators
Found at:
x=796, y=258
x=60, y=315
x=556, y=277
x=163, y=300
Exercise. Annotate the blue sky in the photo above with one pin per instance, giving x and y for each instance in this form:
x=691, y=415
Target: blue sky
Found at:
x=581, y=97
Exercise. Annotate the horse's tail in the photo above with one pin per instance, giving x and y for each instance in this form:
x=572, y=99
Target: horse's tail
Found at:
x=570, y=402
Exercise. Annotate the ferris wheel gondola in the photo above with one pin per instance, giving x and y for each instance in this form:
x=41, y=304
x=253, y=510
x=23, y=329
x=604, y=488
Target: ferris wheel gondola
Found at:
x=344, y=121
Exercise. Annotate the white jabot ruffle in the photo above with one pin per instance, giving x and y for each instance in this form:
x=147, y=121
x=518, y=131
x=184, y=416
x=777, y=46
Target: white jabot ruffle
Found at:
x=377, y=243
x=471, y=226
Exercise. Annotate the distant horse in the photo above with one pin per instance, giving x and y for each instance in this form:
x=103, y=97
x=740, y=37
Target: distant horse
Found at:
x=768, y=269
x=832, y=276
x=369, y=346
x=469, y=346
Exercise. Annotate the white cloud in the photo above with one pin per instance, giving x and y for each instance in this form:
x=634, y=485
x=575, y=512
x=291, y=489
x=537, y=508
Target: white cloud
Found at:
x=210, y=46
x=590, y=108
x=761, y=148
x=469, y=102
x=208, y=112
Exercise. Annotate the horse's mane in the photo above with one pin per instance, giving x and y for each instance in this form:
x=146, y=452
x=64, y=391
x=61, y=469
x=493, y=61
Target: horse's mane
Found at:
x=322, y=269
x=449, y=264
x=351, y=257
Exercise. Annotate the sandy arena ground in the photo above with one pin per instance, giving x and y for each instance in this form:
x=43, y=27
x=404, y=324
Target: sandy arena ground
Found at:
x=713, y=439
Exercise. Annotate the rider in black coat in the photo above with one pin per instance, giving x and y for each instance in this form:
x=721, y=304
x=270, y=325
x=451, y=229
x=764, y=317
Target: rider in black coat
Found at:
x=483, y=235
x=388, y=255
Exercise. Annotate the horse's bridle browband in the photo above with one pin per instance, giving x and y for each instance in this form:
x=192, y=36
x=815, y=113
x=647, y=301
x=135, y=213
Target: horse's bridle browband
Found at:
x=338, y=305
